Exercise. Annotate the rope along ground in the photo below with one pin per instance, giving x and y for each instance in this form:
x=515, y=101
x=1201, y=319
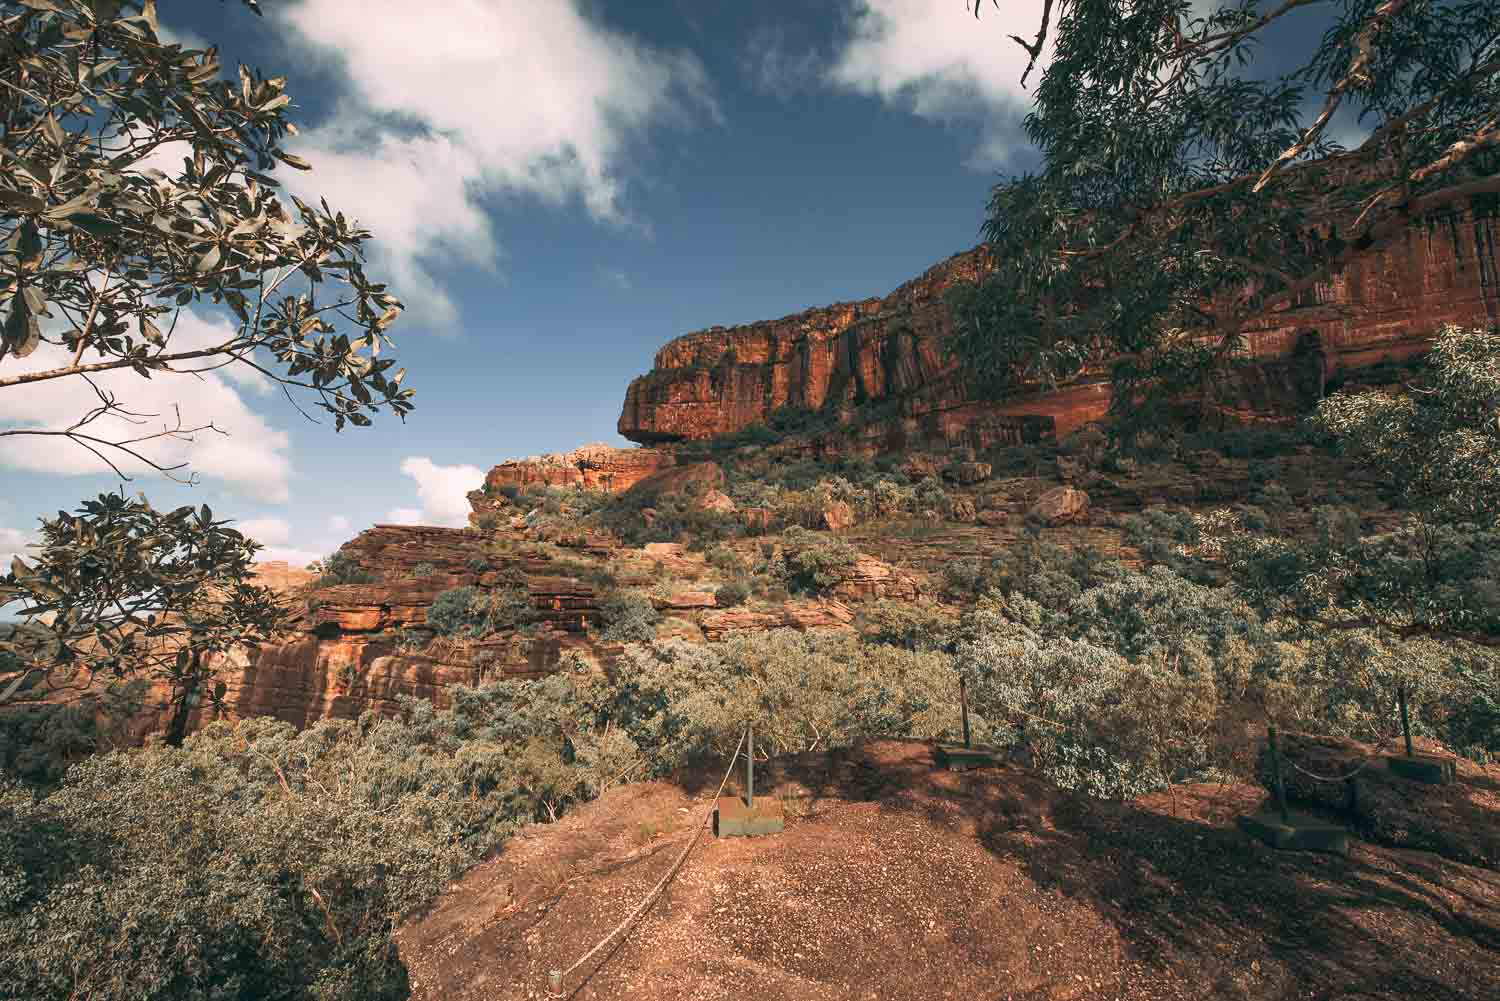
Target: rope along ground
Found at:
x=557, y=977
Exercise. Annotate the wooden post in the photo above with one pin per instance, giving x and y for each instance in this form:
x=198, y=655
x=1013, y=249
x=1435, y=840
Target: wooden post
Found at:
x=1276, y=770
x=750, y=765
x=963, y=704
x=1405, y=720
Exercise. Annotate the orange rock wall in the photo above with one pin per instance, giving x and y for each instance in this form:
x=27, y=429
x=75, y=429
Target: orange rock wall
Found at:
x=1387, y=303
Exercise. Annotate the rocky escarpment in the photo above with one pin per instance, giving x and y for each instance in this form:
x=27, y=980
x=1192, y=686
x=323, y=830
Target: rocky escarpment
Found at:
x=890, y=352
x=595, y=467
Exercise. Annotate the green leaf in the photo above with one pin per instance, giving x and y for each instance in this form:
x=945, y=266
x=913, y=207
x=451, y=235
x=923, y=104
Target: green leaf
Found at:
x=208, y=261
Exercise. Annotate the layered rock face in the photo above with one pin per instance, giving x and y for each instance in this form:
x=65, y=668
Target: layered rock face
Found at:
x=594, y=467
x=1387, y=304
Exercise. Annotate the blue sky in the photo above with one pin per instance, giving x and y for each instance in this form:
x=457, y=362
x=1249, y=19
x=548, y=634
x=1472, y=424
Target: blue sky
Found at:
x=556, y=189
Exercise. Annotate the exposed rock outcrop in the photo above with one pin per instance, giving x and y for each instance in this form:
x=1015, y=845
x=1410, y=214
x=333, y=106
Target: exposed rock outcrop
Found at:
x=595, y=467
x=891, y=351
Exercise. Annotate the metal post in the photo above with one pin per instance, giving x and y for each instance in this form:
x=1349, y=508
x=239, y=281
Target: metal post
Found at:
x=963, y=702
x=750, y=766
x=1276, y=770
x=1405, y=720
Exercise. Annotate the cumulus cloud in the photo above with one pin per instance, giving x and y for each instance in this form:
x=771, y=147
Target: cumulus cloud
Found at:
x=451, y=101
x=940, y=63
x=945, y=66
x=13, y=543
x=249, y=459
x=442, y=491
x=266, y=531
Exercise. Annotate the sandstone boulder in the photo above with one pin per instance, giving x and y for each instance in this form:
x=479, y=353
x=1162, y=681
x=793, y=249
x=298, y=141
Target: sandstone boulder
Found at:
x=716, y=500
x=838, y=516
x=962, y=509
x=870, y=579
x=1060, y=506
x=596, y=467
x=992, y=517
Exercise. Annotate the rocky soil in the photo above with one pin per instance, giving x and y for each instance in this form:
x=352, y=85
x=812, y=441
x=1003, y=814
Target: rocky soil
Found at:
x=895, y=881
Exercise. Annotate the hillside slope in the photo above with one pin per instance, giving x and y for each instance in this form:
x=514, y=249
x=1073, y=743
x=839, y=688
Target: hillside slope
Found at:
x=894, y=881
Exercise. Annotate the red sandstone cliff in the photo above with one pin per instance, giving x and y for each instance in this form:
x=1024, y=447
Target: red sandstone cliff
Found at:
x=1386, y=304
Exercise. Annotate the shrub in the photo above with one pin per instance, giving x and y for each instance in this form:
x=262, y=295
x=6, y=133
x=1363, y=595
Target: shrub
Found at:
x=488, y=521
x=628, y=618
x=509, y=491
x=254, y=862
x=814, y=563
x=920, y=625
x=477, y=564
x=469, y=611
x=725, y=559
x=423, y=569
x=343, y=568
x=736, y=592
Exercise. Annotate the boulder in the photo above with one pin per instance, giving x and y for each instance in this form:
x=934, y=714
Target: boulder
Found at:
x=992, y=517
x=920, y=465
x=716, y=500
x=1060, y=506
x=870, y=579
x=962, y=509
x=838, y=516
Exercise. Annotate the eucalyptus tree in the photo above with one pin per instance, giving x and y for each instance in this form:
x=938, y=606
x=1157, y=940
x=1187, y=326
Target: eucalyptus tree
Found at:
x=109, y=249
x=1179, y=198
x=130, y=592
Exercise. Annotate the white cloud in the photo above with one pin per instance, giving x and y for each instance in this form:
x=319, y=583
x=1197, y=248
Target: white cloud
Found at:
x=403, y=516
x=442, y=491
x=250, y=459
x=338, y=523
x=291, y=555
x=941, y=63
x=451, y=100
x=13, y=543
x=266, y=531
x=944, y=65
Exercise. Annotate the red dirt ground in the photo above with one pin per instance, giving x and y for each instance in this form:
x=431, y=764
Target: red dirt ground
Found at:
x=897, y=882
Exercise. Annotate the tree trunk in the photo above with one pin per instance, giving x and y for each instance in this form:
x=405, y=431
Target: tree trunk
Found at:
x=177, y=730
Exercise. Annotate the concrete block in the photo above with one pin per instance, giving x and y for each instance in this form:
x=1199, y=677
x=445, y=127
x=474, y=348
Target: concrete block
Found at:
x=958, y=758
x=733, y=819
x=1422, y=768
x=1299, y=833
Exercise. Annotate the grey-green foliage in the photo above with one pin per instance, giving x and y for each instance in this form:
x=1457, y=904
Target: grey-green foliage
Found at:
x=93, y=91
x=629, y=618
x=815, y=563
x=343, y=568
x=1438, y=573
x=679, y=701
x=473, y=611
x=1168, y=178
x=254, y=862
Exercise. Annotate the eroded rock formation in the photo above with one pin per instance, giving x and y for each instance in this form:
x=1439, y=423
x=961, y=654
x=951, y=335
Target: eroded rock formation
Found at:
x=890, y=351
x=596, y=467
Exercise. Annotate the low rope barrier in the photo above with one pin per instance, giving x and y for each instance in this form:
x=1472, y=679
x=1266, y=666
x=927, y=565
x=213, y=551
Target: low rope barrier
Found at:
x=556, y=977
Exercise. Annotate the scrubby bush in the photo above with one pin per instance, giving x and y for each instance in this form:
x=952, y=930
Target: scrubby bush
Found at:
x=911, y=625
x=628, y=618
x=477, y=564
x=736, y=592
x=343, y=568
x=471, y=612
x=725, y=559
x=814, y=563
x=423, y=569
x=509, y=491
x=254, y=862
